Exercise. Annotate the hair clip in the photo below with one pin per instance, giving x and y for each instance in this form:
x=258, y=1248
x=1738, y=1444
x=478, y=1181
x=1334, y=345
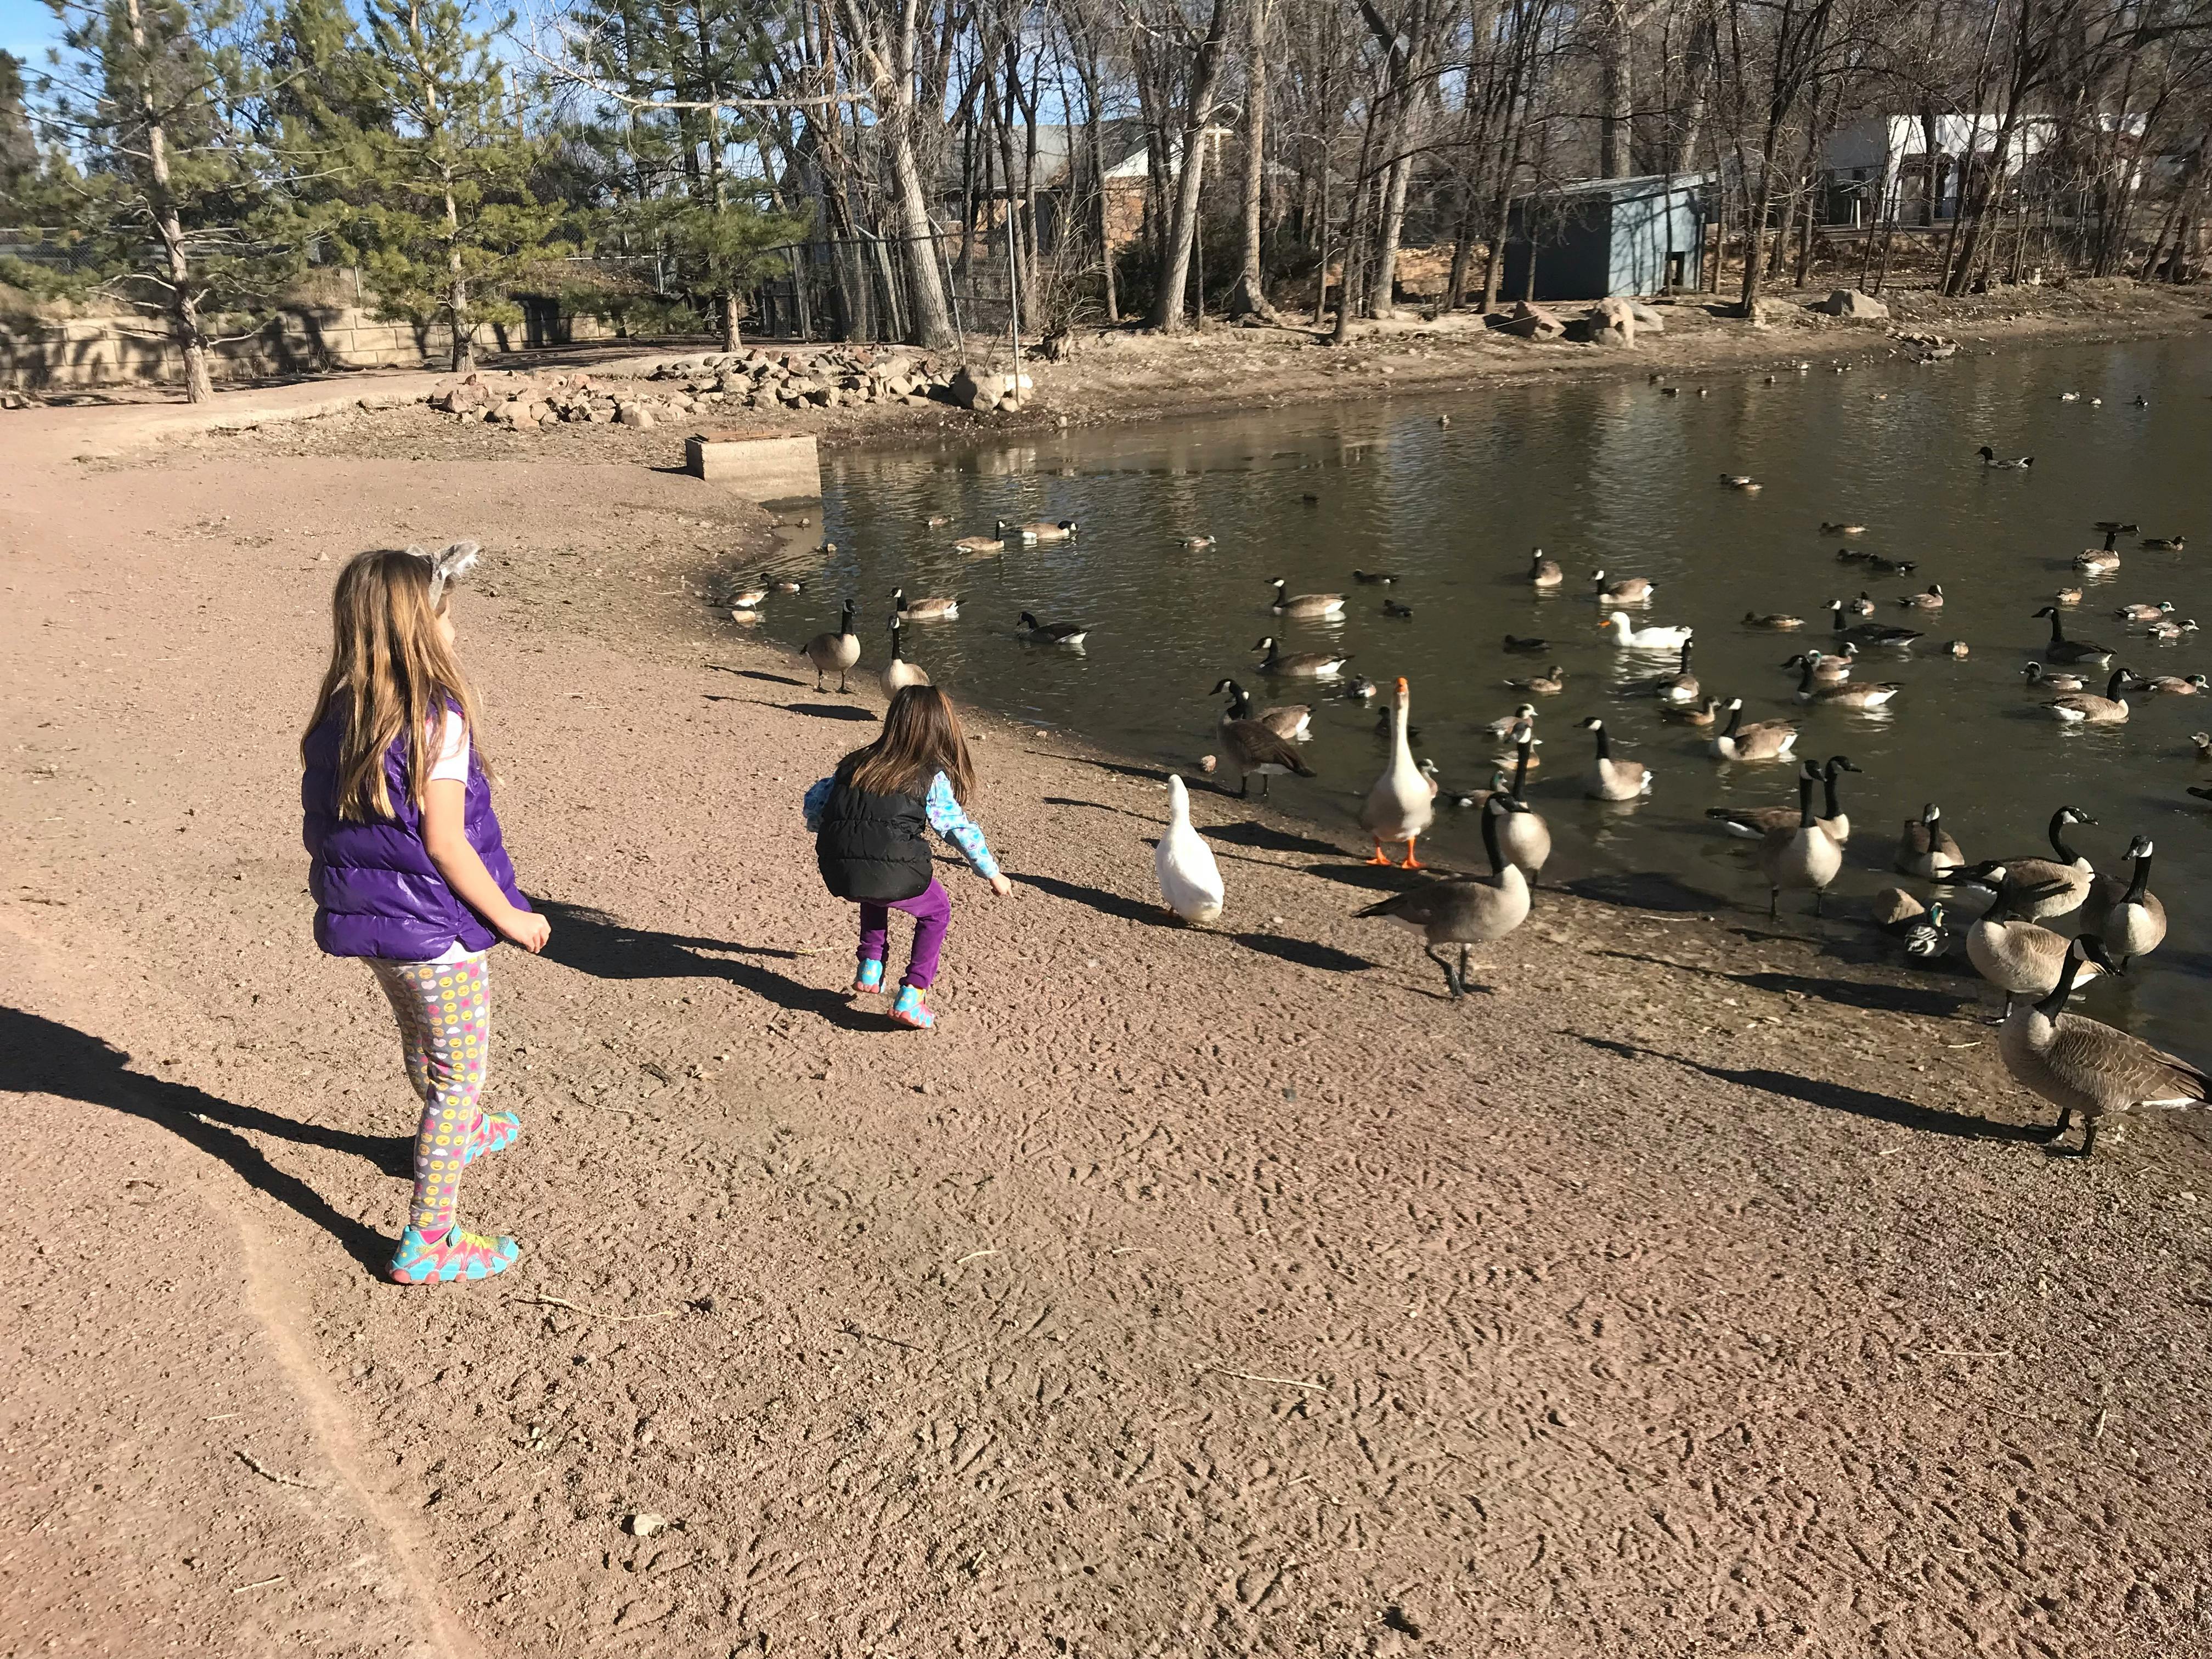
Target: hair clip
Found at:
x=449, y=564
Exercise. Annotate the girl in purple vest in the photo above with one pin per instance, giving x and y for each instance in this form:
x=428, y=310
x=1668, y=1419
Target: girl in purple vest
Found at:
x=410, y=874
x=868, y=821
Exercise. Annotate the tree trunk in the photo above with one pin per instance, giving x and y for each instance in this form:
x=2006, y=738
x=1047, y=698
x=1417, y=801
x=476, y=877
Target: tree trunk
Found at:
x=184, y=310
x=457, y=290
x=730, y=341
x=1696, y=93
x=1616, y=91
x=891, y=75
x=1348, y=284
x=1383, y=293
x=1182, y=232
x=1249, y=295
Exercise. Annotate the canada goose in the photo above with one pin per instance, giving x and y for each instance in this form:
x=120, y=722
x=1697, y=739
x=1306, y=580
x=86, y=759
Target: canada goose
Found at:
x=1330, y=606
x=1524, y=645
x=2167, y=632
x=1045, y=529
x=2145, y=613
x=1549, y=684
x=1401, y=805
x=2015, y=955
x=1872, y=633
x=1392, y=608
x=2134, y=924
x=1853, y=556
x=1848, y=694
x=994, y=543
x=782, y=584
x=2061, y=649
x=1918, y=927
x=2067, y=596
x=1700, y=714
x=1780, y=621
x=1843, y=528
x=1291, y=722
x=2036, y=674
x=1861, y=606
x=1753, y=821
x=1681, y=686
x=1989, y=458
x=1762, y=740
x=898, y=672
x=2083, y=1065
x=2097, y=561
x=1926, y=849
x=748, y=598
x=2173, y=685
x=1257, y=747
x=1931, y=599
x=1071, y=634
x=923, y=610
x=1524, y=835
x=1957, y=648
x=1302, y=664
x=1628, y=590
x=2040, y=888
x=1182, y=864
x=1891, y=567
x=1632, y=638
x=1544, y=572
x=1198, y=544
x=1801, y=856
x=2083, y=708
x=2114, y=528
x=1611, y=779
x=1506, y=727
x=1743, y=481
x=840, y=651
x=1374, y=578
x=1829, y=668
x=1833, y=819
x=2164, y=543
x=1465, y=910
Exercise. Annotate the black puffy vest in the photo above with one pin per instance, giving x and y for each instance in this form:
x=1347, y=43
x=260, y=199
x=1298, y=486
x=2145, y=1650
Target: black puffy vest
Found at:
x=869, y=847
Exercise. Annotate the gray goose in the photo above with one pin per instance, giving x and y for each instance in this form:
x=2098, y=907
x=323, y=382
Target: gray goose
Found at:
x=898, y=672
x=1926, y=849
x=1802, y=856
x=2043, y=890
x=1762, y=740
x=2016, y=956
x=1465, y=910
x=840, y=651
x=1291, y=722
x=2128, y=915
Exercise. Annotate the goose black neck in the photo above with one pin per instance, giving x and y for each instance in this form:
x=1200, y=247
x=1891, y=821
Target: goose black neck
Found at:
x=1239, y=703
x=1835, y=810
x=2066, y=854
x=1521, y=765
x=1492, y=810
x=1604, y=745
x=2057, y=637
x=1838, y=612
x=1805, y=678
x=2053, y=1005
x=2112, y=685
x=1805, y=818
x=2139, y=888
x=895, y=644
x=1735, y=719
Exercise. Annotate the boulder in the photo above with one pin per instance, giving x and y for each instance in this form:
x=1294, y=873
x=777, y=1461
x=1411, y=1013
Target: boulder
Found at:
x=970, y=391
x=1610, y=323
x=636, y=415
x=1533, y=322
x=1648, y=318
x=1849, y=303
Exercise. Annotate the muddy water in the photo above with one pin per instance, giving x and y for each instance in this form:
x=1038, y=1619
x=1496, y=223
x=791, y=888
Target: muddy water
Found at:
x=1623, y=477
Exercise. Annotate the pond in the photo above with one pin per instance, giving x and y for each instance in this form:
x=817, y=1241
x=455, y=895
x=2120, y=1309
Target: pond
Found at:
x=1451, y=492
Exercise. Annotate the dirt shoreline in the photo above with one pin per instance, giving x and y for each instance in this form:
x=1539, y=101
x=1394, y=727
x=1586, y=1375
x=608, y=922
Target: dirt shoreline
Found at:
x=1699, y=1288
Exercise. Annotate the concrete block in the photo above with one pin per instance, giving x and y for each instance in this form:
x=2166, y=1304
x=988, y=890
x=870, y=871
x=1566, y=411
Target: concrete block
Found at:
x=763, y=466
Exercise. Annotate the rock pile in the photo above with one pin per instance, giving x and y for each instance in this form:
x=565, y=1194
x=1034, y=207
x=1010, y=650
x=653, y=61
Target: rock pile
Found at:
x=530, y=401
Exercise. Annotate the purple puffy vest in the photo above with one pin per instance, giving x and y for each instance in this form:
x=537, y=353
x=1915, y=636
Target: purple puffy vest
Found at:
x=376, y=892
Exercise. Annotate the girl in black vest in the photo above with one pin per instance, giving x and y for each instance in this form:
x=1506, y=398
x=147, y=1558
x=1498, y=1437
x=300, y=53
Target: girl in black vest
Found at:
x=868, y=821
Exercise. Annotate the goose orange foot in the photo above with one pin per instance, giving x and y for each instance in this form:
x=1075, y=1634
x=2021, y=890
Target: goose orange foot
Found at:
x=1380, y=857
x=1411, y=863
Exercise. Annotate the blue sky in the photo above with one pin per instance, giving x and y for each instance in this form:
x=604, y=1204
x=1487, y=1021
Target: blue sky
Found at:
x=28, y=28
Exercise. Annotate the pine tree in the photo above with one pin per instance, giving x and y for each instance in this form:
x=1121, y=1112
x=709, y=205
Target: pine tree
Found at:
x=19, y=145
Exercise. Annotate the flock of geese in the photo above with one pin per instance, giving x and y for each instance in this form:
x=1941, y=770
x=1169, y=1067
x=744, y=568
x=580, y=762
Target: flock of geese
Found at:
x=2081, y=1065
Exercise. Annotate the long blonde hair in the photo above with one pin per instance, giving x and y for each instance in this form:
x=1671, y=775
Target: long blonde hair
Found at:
x=921, y=736
x=390, y=661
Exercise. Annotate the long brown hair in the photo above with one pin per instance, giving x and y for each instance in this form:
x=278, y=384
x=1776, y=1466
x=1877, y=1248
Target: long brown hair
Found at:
x=390, y=661
x=921, y=736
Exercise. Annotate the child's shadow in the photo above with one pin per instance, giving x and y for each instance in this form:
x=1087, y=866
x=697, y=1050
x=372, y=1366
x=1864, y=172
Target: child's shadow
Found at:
x=606, y=947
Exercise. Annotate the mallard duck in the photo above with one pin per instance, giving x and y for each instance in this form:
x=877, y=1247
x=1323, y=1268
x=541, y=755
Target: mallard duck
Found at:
x=1871, y=634
x=1291, y=722
x=1931, y=599
x=1305, y=606
x=1700, y=714
x=1549, y=684
x=1301, y=664
x=2036, y=674
x=1629, y=637
x=1526, y=646
x=1610, y=779
x=2164, y=543
x=2083, y=708
x=1182, y=864
x=1401, y=805
x=1990, y=458
x=1801, y=856
x=2145, y=613
x=1072, y=633
x=898, y=672
x=1543, y=572
x=2067, y=596
x=840, y=651
x=1850, y=694
x=1843, y=528
x=924, y=609
x=1743, y=481
x=1462, y=910
x=1779, y=622
x=1628, y=590
x=1256, y=748
x=2083, y=1066
x=1763, y=741
x=1918, y=927
x=1926, y=849
x=2173, y=685
x=1374, y=578
x=994, y=543
x=1045, y=529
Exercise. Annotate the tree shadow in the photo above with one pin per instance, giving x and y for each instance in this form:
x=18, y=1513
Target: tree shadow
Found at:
x=1264, y=837
x=593, y=942
x=42, y=1056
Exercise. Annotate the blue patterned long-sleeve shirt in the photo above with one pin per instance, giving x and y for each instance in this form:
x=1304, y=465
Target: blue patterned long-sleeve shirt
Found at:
x=945, y=816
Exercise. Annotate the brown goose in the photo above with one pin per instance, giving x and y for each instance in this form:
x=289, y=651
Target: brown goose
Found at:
x=1762, y=740
x=1926, y=849
x=1803, y=855
x=1465, y=911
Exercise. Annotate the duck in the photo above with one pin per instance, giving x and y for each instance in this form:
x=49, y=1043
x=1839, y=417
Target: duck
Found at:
x=1861, y=606
x=1918, y=927
x=1991, y=459
x=1853, y=556
x=1401, y=612
x=2097, y=561
x=2040, y=889
x=1891, y=567
x=1383, y=729
x=1632, y=638
x=1182, y=864
x=840, y=651
x=1876, y=634
x=2174, y=686
x=1198, y=544
x=2203, y=743
x=1828, y=529
x=1957, y=648
x=1780, y=621
x=1549, y=684
x=1544, y=573
x=2067, y=596
x=994, y=543
x=1610, y=779
x=1466, y=798
x=1703, y=714
x=2167, y=632
x=2164, y=543
x=2145, y=613
x=938, y=520
x=1465, y=910
x=2036, y=674
x=2082, y=1065
x=1802, y=855
x=749, y=599
x=1307, y=605
x=1291, y=722
x=1258, y=749
x=1046, y=529
x=2134, y=921
x=1374, y=578
x=2017, y=956
x=1402, y=804
x=1848, y=694
x=1069, y=634
x=1753, y=821
x=1926, y=849
x=898, y=672
x=1829, y=668
x=1762, y=740
x=2061, y=649
x=782, y=584
x=1681, y=686
x=1301, y=664
x=1359, y=689
x=1523, y=714
x=1629, y=591
x=1526, y=645
x=2083, y=708
x=924, y=609
x=1930, y=599
x=1743, y=481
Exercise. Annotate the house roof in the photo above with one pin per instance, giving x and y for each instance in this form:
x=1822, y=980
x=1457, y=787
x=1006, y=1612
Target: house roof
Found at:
x=1644, y=184
x=1120, y=142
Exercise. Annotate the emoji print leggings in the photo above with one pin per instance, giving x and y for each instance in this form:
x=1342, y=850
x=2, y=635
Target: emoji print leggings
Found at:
x=444, y=1010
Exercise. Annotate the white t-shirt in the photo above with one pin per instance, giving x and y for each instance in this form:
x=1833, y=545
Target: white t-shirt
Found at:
x=452, y=766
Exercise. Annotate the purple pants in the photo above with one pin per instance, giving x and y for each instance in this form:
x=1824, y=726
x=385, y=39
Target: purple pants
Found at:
x=931, y=910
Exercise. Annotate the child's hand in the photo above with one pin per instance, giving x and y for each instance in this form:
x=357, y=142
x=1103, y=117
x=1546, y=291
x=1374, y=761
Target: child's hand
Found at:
x=526, y=928
x=1001, y=886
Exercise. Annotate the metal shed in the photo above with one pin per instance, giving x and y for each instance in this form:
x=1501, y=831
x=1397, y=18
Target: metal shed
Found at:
x=1606, y=236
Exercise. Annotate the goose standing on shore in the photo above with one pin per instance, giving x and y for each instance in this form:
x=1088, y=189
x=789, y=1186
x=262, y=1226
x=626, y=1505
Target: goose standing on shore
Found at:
x=2021, y=957
x=1190, y=881
x=840, y=651
x=1291, y=722
x=1308, y=606
x=2081, y=1065
x=2134, y=924
x=1610, y=779
x=1805, y=856
x=1465, y=910
x=1256, y=747
x=1523, y=835
x=1402, y=804
x=898, y=672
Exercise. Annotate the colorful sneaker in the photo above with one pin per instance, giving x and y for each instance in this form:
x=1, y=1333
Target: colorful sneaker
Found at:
x=911, y=1010
x=870, y=978
x=495, y=1133
x=457, y=1255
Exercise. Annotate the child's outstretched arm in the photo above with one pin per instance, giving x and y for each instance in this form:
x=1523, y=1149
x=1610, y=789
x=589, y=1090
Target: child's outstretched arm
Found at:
x=946, y=817
x=446, y=838
x=818, y=796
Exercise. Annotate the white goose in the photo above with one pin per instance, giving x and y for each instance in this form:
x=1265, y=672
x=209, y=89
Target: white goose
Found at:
x=1629, y=637
x=1401, y=806
x=1189, y=880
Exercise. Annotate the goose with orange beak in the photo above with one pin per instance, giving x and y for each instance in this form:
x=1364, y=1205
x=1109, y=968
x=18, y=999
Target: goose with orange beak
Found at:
x=1403, y=803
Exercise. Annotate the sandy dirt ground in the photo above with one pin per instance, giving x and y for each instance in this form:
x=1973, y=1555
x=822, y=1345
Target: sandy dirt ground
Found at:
x=1699, y=1287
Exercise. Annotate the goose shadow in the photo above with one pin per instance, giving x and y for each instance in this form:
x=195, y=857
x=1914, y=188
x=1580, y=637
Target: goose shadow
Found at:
x=1266, y=838
x=1304, y=953
x=1646, y=890
x=757, y=674
x=822, y=711
x=1097, y=899
x=42, y=1056
x=1874, y=998
x=604, y=947
x=1147, y=773
x=1840, y=1097
x=1378, y=877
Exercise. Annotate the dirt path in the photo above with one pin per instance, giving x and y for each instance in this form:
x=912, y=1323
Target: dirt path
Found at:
x=1698, y=1288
